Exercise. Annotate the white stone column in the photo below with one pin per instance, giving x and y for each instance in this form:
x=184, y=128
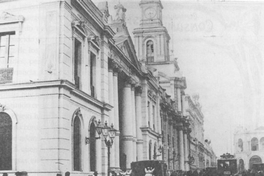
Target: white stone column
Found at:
x=186, y=150
x=181, y=149
x=127, y=128
x=133, y=121
x=111, y=113
x=139, y=124
x=116, y=119
x=99, y=156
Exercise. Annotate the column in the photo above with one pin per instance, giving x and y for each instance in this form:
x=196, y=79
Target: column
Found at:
x=162, y=45
x=181, y=149
x=111, y=113
x=186, y=150
x=116, y=118
x=98, y=155
x=179, y=99
x=139, y=124
x=127, y=129
x=183, y=105
x=133, y=124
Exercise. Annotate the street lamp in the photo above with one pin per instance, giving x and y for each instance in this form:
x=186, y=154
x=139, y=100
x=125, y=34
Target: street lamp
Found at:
x=109, y=135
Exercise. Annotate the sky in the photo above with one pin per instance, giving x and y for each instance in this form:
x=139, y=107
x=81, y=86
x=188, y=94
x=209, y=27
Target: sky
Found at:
x=219, y=46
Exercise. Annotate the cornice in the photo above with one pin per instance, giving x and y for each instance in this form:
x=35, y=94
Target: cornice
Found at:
x=150, y=29
x=53, y=84
x=194, y=108
x=96, y=15
x=2, y=1
x=151, y=2
x=152, y=83
x=150, y=131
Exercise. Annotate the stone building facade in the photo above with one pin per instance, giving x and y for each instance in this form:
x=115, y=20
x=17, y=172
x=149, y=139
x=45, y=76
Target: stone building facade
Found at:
x=66, y=68
x=69, y=66
x=249, y=147
x=201, y=153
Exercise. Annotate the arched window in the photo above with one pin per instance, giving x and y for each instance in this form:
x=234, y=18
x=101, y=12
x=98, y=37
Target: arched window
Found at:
x=240, y=145
x=92, y=147
x=155, y=152
x=6, y=142
x=169, y=159
x=150, y=51
x=77, y=144
x=150, y=150
x=241, y=165
x=254, y=144
x=262, y=143
x=254, y=160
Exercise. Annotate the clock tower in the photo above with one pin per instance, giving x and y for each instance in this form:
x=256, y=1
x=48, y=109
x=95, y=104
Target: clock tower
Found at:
x=151, y=12
x=151, y=39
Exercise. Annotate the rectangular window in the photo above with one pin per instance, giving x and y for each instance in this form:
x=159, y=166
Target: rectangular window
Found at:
x=77, y=62
x=92, y=73
x=7, y=46
x=153, y=116
x=149, y=114
x=162, y=136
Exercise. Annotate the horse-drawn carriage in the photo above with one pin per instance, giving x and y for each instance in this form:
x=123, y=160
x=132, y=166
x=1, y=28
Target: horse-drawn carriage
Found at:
x=149, y=168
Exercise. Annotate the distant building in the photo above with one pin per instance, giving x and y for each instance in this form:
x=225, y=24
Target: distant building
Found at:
x=249, y=147
x=201, y=151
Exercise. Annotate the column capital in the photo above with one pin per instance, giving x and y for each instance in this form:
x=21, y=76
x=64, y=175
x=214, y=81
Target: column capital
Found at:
x=185, y=130
x=116, y=68
x=127, y=83
x=138, y=89
x=113, y=65
x=131, y=81
x=180, y=127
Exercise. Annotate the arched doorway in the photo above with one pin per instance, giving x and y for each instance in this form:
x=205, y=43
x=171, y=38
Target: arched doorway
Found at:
x=254, y=160
x=77, y=144
x=240, y=145
x=92, y=147
x=6, y=142
x=241, y=165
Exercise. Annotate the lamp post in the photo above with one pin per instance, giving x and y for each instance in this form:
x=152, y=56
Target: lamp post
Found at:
x=109, y=135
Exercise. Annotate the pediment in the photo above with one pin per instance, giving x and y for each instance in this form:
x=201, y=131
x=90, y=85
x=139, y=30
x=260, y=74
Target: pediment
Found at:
x=129, y=52
x=6, y=17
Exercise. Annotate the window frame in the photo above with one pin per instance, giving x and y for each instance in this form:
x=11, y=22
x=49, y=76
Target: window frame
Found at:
x=77, y=113
x=152, y=58
x=12, y=24
x=254, y=147
x=14, y=120
x=7, y=48
x=81, y=40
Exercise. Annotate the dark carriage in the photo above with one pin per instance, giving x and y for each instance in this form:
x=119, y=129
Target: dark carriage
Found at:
x=148, y=168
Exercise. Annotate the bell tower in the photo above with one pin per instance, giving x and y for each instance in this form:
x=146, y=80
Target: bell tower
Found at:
x=151, y=39
x=151, y=12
